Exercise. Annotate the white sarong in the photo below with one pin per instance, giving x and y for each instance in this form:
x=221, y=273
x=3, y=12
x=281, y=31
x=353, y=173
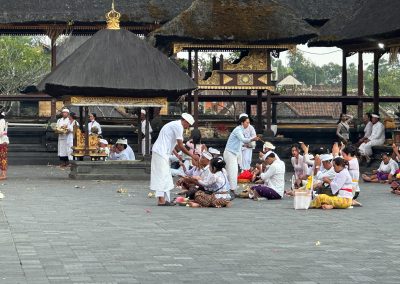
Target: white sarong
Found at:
x=63, y=145
x=247, y=154
x=161, y=178
x=231, y=161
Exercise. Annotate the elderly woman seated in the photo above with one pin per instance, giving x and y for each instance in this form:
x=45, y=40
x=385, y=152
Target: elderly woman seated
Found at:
x=385, y=172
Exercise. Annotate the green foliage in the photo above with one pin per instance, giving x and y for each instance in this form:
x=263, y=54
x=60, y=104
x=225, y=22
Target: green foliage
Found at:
x=331, y=74
x=23, y=62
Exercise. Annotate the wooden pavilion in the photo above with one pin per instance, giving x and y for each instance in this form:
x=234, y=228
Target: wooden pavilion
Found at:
x=254, y=28
x=373, y=28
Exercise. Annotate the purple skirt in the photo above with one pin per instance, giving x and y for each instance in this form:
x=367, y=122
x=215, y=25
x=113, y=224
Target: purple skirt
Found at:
x=266, y=192
x=382, y=176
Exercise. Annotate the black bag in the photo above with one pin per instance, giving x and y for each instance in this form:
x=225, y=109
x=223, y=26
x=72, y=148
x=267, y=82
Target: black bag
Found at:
x=175, y=165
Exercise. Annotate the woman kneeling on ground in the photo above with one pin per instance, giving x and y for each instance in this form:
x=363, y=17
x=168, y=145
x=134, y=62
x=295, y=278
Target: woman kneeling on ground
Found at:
x=385, y=172
x=342, y=184
x=274, y=180
x=216, y=187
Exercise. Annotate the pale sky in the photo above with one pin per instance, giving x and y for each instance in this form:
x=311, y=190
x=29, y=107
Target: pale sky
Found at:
x=318, y=55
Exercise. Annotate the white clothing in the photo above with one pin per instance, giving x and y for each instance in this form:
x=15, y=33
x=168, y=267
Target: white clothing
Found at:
x=376, y=138
x=342, y=183
x=130, y=153
x=167, y=139
x=322, y=173
x=160, y=178
x=125, y=155
x=231, y=167
x=3, y=132
x=144, y=136
x=299, y=166
x=265, y=156
x=247, y=149
x=70, y=138
x=354, y=170
x=217, y=182
x=94, y=123
x=389, y=168
x=368, y=129
x=275, y=177
x=62, y=138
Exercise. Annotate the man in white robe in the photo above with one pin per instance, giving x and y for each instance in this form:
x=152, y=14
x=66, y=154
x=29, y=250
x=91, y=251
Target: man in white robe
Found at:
x=376, y=138
x=143, y=129
x=170, y=137
x=62, y=129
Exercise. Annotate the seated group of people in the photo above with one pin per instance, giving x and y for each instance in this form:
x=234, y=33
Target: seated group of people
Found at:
x=334, y=176
x=204, y=181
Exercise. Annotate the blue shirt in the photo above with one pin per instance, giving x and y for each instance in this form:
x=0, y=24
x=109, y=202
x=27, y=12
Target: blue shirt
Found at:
x=235, y=141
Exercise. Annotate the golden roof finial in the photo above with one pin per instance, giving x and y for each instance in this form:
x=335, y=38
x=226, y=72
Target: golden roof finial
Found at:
x=112, y=18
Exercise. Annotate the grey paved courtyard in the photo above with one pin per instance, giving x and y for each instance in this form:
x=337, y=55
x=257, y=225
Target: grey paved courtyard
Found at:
x=56, y=230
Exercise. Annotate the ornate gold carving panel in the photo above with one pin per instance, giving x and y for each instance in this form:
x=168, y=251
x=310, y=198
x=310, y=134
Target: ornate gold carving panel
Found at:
x=256, y=60
x=116, y=101
x=213, y=80
x=245, y=79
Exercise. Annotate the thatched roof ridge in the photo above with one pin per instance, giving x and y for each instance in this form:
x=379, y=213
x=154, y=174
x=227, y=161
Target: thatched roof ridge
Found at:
x=117, y=63
x=375, y=20
x=89, y=11
x=250, y=21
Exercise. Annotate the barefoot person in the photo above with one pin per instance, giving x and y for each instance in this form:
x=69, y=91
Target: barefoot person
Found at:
x=3, y=146
x=386, y=171
x=341, y=184
x=233, y=150
x=171, y=136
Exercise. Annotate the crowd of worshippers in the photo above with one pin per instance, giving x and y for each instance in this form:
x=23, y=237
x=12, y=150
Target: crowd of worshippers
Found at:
x=120, y=150
x=209, y=178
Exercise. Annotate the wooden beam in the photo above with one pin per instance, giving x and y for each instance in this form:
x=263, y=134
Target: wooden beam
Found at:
x=360, y=84
x=259, y=123
x=349, y=100
x=248, y=104
x=377, y=56
x=190, y=73
x=196, y=92
x=344, y=79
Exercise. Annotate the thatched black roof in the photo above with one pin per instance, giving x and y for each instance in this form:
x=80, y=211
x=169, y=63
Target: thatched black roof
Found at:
x=374, y=21
x=323, y=10
x=117, y=63
x=244, y=21
x=89, y=11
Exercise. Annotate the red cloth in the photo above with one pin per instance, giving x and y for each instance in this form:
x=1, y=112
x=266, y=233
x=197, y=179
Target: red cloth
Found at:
x=245, y=175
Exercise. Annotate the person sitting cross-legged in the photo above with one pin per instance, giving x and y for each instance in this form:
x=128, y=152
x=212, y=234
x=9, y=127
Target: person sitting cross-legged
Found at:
x=385, y=172
x=274, y=180
x=341, y=184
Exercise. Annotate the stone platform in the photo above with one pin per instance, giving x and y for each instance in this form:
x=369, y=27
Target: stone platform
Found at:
x=110, y=170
